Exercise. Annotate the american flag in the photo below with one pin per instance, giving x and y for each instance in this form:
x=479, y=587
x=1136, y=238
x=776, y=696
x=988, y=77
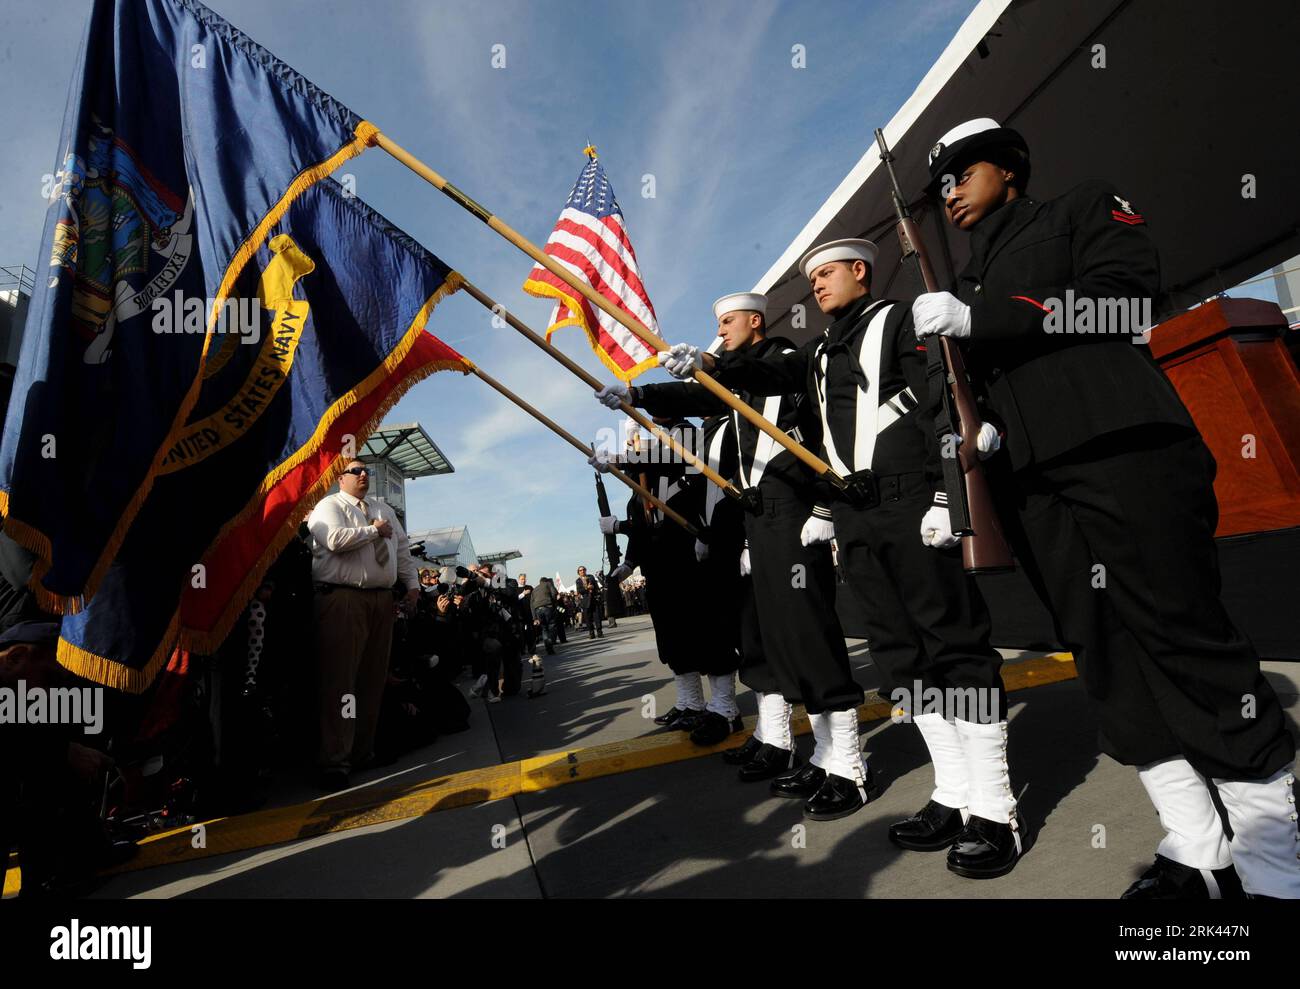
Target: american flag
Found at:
x=590, y=239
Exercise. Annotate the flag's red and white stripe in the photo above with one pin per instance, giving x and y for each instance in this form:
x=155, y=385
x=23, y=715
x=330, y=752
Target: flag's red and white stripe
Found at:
x=597, y=250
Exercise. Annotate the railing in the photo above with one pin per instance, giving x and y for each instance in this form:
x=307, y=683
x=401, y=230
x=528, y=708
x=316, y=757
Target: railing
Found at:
x=17, y=278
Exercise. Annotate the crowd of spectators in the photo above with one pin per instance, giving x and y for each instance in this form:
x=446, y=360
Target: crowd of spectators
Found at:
x=213, y=731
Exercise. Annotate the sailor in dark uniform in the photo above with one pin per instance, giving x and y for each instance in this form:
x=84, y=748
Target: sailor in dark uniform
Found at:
x=726, y=593
x=1109, y=503
x=677, y=582
x=927, y=625
x=803, y=656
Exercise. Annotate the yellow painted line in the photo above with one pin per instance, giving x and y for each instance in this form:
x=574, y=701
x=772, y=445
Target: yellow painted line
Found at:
x=361, y=808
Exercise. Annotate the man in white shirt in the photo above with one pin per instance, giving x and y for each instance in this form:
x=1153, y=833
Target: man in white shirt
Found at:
x=359, y=552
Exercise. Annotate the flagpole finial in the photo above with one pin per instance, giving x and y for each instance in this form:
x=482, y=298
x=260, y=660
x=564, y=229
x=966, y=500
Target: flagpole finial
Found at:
x=590, y=151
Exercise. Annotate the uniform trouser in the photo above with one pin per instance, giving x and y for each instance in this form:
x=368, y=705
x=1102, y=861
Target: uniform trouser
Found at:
x=1117, y=538
x=354, y=634
x=804, y=657
x=672, y=593
x=720, y=603
x=926, y=620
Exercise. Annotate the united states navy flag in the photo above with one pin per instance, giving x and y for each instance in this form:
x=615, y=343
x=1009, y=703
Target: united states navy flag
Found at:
x=184, y=144
x=328, y=331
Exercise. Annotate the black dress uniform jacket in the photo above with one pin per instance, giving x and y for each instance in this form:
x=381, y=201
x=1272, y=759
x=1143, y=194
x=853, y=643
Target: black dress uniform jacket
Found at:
x=1055, y=391
x=796, y=417
x=905, y=446
x=924, y=618
x=802, y=653
x=1109, y=501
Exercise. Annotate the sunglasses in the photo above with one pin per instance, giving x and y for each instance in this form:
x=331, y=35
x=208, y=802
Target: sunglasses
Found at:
x=358, y=471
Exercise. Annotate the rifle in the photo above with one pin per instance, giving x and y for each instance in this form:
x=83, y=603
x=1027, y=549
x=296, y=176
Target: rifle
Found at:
x=613, y=599
x=984, y=548
x=611, y=541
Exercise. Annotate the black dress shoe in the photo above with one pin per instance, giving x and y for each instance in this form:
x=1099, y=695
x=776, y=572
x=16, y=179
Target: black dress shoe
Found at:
x=985, y=849
x=689, y=721
x=931, y=829
x=799, y=785
x=1170, y=880
x=713, y=728
x=839, y=797
x=671, y=717
x=742, y=755
x=768, y=761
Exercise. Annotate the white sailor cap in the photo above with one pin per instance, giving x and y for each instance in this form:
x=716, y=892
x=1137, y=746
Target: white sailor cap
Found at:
x=748, y=301
x=848, y=249
x=966, y=142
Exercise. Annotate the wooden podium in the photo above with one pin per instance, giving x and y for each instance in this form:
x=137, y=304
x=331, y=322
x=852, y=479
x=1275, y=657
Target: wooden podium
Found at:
x=1236, y=376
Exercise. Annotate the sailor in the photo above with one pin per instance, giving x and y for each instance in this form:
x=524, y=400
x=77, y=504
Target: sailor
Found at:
x=677, y=581
x=1108, y=501
x=803, y=658
x=725, y=592
x=927, y=625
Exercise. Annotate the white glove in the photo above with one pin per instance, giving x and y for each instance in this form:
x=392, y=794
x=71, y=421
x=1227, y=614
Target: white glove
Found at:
x=620, y=573
x=988, y=442
x=744, y=562
x=940, y=312
x=701, y=551
x=600, y=460
x=681, y=360
x=817, y=531
x=936, y=528
x=613, y=396
x=607, y=523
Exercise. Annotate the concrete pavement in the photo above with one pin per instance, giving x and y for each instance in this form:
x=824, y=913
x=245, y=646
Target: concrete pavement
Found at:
x=690, y=829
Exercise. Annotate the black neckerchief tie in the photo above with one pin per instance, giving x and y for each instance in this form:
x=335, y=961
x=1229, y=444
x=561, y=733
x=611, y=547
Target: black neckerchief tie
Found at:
x=837, y=337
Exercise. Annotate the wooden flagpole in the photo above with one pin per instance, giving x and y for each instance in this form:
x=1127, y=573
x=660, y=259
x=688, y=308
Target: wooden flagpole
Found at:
x=596, y=299
x=572, y=440
x=591, y=380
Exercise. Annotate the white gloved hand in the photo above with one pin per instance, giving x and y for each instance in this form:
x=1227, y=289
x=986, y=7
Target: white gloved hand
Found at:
x=613, y=396
x=681, y=360
x=817, y=531
x=987, y=442
x=600, y=460
x=620, y=573
x=701, y=551
x=936, y=528
x=744, y=562
x=942, y=313
x=607, y=523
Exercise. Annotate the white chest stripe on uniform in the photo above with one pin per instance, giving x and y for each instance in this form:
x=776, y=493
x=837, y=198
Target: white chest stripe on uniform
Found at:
x=713, y=457
x=867, y=426
x=763, y=448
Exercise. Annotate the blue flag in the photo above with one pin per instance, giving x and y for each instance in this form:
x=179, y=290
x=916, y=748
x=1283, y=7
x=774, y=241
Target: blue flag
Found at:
x=184, y=143
x=329, y=334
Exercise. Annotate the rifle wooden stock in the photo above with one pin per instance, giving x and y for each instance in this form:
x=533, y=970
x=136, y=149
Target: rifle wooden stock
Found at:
x=984, y=548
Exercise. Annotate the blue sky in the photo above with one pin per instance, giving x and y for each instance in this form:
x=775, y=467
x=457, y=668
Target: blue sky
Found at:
x=743, y=148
